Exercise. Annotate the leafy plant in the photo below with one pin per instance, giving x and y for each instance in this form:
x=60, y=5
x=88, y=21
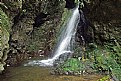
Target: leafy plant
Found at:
x=71, y=66
x=105, y=78
x=108, y=58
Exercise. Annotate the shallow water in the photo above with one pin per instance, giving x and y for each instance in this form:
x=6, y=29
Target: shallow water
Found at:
x=37, y=73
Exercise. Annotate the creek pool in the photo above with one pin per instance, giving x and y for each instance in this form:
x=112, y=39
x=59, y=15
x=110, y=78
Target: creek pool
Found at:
x=36, y=73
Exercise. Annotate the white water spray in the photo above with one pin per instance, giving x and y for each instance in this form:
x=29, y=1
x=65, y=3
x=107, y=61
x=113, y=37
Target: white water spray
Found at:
x=65, y=42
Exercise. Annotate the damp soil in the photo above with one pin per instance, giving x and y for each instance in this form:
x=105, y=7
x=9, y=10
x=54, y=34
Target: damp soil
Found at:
x=36, y=73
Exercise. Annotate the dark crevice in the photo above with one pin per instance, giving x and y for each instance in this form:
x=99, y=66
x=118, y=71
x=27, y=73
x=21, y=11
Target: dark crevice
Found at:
x=18, y=18
x=40, y=19
x=70, y=4
x=83, y=27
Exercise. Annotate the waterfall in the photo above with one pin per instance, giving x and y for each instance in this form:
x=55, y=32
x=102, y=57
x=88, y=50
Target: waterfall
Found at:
x=66, y=40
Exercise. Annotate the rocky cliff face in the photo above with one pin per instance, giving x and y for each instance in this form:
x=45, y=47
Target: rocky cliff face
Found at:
x=105, y=18
x=35, y=24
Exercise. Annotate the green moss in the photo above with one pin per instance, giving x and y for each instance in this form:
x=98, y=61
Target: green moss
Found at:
x=105, y=78
x=4, y=21
x=107, y=58
x=4, y=38
x=72, y=64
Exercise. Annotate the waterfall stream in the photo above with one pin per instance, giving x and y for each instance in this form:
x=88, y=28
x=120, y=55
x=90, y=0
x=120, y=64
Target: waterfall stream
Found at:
x=66, y=40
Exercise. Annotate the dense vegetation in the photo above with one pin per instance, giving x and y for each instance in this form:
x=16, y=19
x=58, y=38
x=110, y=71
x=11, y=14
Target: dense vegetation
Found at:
x=100, y=59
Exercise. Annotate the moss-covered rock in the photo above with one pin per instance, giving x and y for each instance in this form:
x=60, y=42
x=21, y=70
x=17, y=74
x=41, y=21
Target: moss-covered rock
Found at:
x=4, y=38
x=104, y=16
x=35, y=25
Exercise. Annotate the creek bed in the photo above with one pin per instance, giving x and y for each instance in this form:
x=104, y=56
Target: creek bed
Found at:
x=36, y=73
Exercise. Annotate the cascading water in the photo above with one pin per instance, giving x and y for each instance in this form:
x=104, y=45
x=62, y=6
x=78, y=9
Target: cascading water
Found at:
x=66, y=40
